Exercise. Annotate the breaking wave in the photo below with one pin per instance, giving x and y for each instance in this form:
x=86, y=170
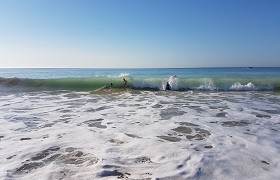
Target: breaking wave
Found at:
x=177, y=84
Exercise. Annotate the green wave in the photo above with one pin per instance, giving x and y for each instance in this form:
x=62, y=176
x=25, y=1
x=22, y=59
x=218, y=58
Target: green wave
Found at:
x=180, y=84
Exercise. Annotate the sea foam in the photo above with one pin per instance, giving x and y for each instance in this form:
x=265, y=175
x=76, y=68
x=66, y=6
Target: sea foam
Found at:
x=239, y=86
x=137, y=134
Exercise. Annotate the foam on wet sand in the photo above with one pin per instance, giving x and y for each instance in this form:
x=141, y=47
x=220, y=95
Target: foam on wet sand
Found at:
x=140, y=135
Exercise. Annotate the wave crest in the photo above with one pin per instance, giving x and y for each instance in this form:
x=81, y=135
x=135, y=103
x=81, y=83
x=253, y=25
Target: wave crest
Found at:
x=177, y=84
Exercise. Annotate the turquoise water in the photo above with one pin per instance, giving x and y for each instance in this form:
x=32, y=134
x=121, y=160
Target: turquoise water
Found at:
x=213, y=79
x=49, y=73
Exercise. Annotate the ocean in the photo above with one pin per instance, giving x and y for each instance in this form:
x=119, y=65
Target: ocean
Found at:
x=219, y=79
x=213, y=123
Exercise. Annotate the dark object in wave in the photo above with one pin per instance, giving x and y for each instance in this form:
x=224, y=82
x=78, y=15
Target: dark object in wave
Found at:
x=168, y=87
x=125, y=81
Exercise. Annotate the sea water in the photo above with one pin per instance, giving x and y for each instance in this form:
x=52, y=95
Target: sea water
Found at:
x=221, y=79
x=215, y=123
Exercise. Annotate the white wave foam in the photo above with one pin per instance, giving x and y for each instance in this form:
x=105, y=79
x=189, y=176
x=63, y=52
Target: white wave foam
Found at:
x=133, y=135
x=174, y=82
x=239, y=86
x=124, y=75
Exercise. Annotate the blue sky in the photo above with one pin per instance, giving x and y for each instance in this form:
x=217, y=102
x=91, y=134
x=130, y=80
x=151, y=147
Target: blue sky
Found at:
x=136, y=34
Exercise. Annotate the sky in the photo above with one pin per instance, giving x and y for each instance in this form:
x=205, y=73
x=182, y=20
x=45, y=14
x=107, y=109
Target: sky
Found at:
x=139, y=33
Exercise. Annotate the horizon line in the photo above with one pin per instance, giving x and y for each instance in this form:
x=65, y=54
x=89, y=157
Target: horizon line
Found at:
x=138, y=67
